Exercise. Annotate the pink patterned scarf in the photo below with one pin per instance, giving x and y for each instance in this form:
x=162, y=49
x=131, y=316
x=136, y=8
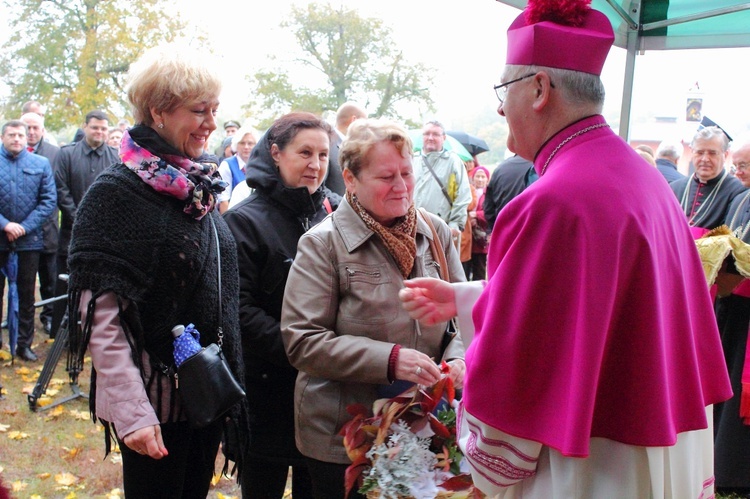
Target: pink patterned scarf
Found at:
x=198, y=184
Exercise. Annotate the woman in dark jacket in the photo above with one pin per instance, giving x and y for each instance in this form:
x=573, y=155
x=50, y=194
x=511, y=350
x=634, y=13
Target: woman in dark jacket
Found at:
x=143, y=259
x=286, y=169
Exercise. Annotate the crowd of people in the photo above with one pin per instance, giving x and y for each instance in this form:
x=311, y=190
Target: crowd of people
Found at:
x=332, y=263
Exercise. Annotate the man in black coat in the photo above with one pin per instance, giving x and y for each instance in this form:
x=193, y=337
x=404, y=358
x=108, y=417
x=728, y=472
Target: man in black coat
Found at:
x=47, y=258
x=508, y=180
x=667, y=155
x=76, y=167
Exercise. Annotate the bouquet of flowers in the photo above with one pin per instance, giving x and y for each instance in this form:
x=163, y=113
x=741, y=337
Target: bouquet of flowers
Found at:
x=408, y=448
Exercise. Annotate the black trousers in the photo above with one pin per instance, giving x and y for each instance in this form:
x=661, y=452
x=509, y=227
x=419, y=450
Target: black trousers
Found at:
x=478, y=266
x=184, y=474
x=28, y=262
x=328, y=480
x=47, y=278
x=263, y=479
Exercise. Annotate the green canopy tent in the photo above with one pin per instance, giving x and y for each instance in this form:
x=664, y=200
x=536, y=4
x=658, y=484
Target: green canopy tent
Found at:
x=642, y=25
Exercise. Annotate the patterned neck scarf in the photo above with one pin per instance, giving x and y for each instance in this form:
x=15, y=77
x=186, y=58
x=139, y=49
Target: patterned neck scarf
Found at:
x=198, y=184
x=399, y=239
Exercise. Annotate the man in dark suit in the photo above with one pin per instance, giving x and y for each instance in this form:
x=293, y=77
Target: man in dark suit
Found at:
x=47, y=258
x=76, y=167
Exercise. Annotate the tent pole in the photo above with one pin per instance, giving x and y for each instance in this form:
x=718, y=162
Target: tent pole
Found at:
x=627, y=88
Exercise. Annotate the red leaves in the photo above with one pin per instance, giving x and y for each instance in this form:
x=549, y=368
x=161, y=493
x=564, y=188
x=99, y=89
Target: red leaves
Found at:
x=439, y=428
x=353, y=474
x=415, y=406
x=458, y=482
x=565, y=12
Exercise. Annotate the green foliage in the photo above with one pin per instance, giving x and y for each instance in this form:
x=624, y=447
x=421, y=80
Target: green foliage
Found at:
x=72, y=55
x=356, y=60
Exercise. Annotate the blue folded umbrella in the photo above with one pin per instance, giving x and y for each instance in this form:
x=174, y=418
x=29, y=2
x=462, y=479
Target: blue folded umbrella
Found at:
x=186, y=343
x=10, y=271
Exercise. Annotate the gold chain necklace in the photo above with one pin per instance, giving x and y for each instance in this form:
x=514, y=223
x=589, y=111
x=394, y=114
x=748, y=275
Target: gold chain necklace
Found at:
x=579, y=132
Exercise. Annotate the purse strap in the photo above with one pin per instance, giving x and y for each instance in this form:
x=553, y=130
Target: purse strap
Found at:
x=220, y=330
x=438, y=253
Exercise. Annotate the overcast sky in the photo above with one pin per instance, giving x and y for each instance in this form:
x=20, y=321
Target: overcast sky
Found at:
x=465, y=42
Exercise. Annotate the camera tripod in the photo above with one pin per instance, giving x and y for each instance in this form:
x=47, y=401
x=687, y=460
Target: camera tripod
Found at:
x=53, y=357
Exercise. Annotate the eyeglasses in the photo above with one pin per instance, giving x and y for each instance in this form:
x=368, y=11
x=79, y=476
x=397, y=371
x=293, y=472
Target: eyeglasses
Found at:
x=740, y=167
x=502, y=90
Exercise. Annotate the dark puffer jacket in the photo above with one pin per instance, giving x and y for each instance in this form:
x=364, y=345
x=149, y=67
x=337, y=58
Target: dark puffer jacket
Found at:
x=266, y=228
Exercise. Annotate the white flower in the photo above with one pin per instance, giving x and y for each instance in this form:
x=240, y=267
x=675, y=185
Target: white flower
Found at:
x=403, y=465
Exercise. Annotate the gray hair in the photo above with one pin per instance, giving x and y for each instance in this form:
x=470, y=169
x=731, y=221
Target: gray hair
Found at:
x=708, y=133
x=669, y=149
x=33, y=116
x=240, y=134
x=576, y=87
x=435, y=123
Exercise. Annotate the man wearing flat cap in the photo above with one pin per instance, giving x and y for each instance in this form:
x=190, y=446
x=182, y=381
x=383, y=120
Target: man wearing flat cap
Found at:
x=595, y=356
x=230, y=128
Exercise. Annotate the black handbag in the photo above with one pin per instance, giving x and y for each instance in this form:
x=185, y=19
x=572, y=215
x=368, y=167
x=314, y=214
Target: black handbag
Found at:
x=204, y=381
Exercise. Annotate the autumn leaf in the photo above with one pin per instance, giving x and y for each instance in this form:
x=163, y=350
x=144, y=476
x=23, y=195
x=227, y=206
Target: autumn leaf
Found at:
x=71, y=453
x=54, y=413
x=51, y=392
x=18, y=486
x=10, y=412
x=215, y=479
x=5, y=355
x=26, y=390
x=44, y=476
x=66, y=479
x=30, y=378
x=18, y=435
x=4, y=427
x=23, y=371
x=44, y=401
x=115, y=458
x=57, y=382
x=79, y=436
x=80, y=415
x=114, y=494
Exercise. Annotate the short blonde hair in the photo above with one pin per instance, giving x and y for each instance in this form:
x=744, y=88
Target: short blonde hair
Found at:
x=362, y=136
x=166, y=77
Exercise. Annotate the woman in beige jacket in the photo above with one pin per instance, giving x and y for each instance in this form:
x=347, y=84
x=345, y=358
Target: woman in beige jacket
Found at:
x=342, y=323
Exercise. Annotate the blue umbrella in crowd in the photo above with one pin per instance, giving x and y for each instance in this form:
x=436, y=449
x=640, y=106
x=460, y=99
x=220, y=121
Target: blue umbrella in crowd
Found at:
x=10, y=271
